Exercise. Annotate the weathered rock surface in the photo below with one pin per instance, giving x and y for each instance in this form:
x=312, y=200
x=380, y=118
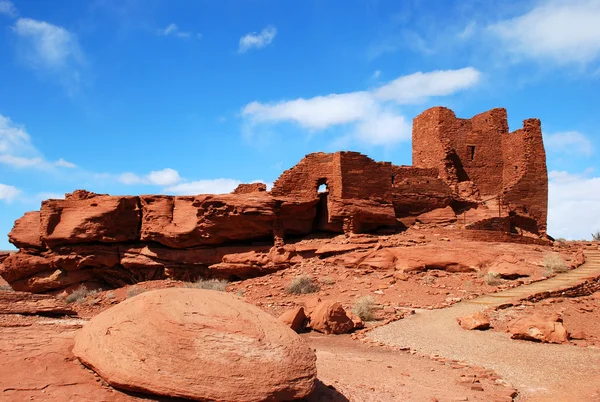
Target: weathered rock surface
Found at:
x=99, y=218
x=478, y=320
x=540, y=328
x=26, y=303
x=330, y=318
x=295, y=318
x=197, y=344
x=437, y=216
x=26, y=232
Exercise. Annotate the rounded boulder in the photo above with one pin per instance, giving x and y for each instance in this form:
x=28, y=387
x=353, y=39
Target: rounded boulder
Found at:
x=197, y=344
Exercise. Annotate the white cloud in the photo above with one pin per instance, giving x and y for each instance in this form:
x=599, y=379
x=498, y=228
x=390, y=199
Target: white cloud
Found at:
x=468, y=32
x=8, y=8
x=164, y=177
x=376, y=74
x=419, y=86
x=384, y=128
x=8, y=193
x=373, y=112
x=173, y=30
x=215, y=186
x=47, y=46
x=315, y=113
x=20, y=161
x=573, y=205
x=257, y=40
x=66, y=164
x=562, y=31
x=569, y=142
x=17, y=150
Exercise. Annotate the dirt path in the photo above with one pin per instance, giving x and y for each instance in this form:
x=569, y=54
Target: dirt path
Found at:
x=538, y=371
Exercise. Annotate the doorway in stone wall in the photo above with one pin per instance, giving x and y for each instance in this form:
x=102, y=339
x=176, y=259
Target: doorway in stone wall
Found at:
x=322, y=217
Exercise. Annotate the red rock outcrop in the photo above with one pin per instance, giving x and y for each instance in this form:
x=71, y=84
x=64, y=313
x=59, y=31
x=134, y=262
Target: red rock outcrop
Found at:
x=197, y=344
x=27, y=304
x=540, y=328
x=468, y=174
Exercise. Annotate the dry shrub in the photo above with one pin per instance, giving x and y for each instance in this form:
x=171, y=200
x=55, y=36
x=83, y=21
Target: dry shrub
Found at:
x=364, y=308
x=134, y=291
x=209, y=284
x=493, y=278
x=7, y=288
x=327, y=281
x=80, y=294
x=596, y=236
x=302, y=285
x=554, y=264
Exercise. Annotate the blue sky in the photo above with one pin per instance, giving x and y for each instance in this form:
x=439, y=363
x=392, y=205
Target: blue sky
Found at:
x=188, y=97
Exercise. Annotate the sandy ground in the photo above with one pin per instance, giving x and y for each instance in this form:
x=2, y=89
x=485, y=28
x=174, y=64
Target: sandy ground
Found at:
x=37, y=364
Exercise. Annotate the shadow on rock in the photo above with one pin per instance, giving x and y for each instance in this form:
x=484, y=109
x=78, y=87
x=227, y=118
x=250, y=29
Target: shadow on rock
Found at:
x=327, y=393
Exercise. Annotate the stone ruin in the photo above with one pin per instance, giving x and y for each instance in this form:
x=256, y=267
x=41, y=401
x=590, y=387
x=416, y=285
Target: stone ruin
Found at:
x=470, y=175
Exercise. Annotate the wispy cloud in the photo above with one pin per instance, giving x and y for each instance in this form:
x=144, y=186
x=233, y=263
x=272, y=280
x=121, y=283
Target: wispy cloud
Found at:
x=8, y=193
x=8, y=8
x=47, y=45
x=50, y=49
x=164, y=177
x=374, y=113
x=569, y=142
x=214, y=186
x=173, y=30
x=18, y=151
x=257, y=40
x=573, y=205
x=561, y=31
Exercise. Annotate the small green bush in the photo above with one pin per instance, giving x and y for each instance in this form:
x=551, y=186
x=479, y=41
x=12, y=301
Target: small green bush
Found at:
x=364, y=308
x=7, y=288
x=554, y=264
x=210, y=284
x=80, y=294
x=493, y=278
x=302, y=285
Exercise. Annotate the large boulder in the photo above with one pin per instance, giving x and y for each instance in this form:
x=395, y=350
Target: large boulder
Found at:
x=540, y=328
x=197, y=344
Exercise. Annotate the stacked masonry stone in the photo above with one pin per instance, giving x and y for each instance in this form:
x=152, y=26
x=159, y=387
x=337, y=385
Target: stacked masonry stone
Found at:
x=467, y=174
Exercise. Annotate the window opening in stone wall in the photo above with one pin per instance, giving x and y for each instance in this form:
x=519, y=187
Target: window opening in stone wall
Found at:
x=322, y=186
x=471, y=151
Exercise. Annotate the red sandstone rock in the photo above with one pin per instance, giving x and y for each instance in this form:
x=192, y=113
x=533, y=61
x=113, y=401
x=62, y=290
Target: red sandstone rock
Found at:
x=330, y=318
x=182, y=222
x=101, y=218
x=440, y=216
x=4, y=255
x=26, y=232
x=197, y=344
x=250, y=188
x=12, y=302
x=512, y=270
x=295, y=319
x=495, y=181
x=478, y=320
x=541, y=328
